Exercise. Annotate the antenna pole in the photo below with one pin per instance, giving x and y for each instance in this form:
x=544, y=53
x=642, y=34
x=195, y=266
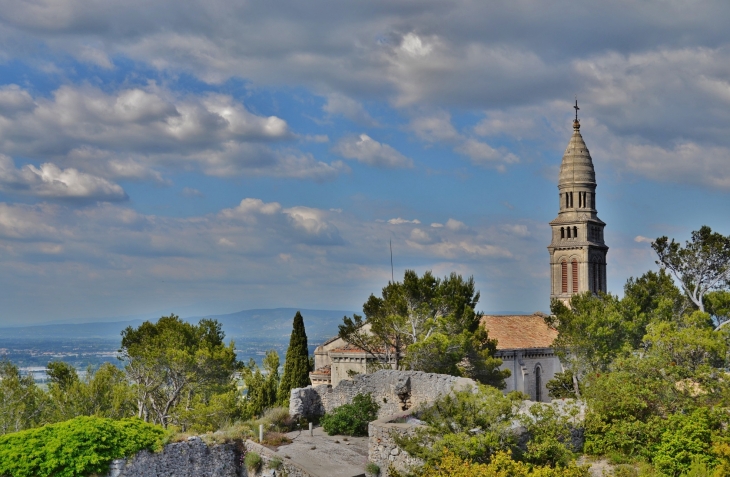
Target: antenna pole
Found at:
x=392, y=275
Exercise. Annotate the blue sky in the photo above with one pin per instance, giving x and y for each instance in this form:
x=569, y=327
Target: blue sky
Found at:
x=211, y=156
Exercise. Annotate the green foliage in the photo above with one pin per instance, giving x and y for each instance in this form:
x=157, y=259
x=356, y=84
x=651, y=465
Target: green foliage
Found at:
x=701, y=266
x=22, y=403
x=561, y=386
x=593, y=331
x=471, y=425
x=296, y=363
x=177, y=366
x=372, y=468
x=262, y=386
x=275, y=463
x=105, y=392
x=427, y=324
x=550, y=435
x=351, y=419
x=500, y=465
x=75, y=448
x=253, y=462
x=687, y=438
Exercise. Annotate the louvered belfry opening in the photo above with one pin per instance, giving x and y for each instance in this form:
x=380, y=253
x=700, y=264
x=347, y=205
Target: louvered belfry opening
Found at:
x=575, y=275
x=564, y=266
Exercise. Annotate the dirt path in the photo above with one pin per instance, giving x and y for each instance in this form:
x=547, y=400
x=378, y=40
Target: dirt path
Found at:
x=326, y=456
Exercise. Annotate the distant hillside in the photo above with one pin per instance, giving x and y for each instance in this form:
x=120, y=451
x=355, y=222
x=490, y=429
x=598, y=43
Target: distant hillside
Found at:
x=265, y=324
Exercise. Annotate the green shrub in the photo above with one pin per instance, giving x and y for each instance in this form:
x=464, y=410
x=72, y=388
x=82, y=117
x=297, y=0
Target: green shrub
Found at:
x=686, y=443
x=275, y=463
x=253, y=461
x=279, y=419
x=372, y=468
x=75, y=448
x=351, y=419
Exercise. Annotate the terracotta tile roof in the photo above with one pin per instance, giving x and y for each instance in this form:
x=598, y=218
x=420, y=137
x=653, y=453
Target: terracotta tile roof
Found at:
x=519, y=331
x=324, y=370
x=348, y=348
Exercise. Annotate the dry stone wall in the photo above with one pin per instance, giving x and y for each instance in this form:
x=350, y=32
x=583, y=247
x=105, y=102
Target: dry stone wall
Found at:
x=394, y=391
x=193, y=458
x=382, y=449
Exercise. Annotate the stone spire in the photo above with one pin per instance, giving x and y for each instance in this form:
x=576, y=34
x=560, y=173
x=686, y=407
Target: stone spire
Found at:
x=577, y=250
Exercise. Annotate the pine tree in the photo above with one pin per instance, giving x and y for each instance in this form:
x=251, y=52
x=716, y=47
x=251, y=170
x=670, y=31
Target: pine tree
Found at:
x=296, y=364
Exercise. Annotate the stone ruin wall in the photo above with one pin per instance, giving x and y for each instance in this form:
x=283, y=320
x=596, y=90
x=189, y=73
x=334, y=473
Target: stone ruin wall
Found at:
x=382, y=448
x=394, y=391
x=193, y=458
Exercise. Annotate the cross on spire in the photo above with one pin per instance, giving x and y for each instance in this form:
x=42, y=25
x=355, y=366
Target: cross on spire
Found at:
x=576, y=109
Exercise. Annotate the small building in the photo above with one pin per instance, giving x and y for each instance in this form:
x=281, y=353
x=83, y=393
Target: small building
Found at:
x=524, y=344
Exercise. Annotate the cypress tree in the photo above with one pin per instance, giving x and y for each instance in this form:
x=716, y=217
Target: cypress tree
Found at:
x=296, y=364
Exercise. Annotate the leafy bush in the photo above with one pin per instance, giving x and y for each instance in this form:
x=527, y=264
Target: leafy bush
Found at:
x=472, y=426
x=686, y=443
x=253, y=461
x=351, y=419
x=550, y=435
x=372, y=468
x=279, y=419
x=275, y=463
x=75, y=448
x=500, y=465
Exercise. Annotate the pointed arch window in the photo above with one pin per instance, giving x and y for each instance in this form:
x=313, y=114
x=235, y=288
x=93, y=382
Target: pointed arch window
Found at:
x=564, y=276
x=575, y=275
x=538, y=383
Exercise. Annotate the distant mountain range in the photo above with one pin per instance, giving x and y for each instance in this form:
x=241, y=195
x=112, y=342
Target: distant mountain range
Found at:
x=265, y=324
x=247, y=325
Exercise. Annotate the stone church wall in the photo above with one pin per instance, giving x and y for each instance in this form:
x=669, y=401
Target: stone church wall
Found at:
x=523, y=365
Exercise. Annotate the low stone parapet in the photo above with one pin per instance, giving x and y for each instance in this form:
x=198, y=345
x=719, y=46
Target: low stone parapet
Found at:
x=394, y=391
x=382, y=448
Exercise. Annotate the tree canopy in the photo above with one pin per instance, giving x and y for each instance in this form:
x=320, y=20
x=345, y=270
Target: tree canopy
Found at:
x=296, y=363
x=427, y=324
x=176, y=366
x=701, y=266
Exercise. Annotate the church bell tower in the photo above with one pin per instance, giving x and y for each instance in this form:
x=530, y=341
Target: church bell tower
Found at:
x=577, y=251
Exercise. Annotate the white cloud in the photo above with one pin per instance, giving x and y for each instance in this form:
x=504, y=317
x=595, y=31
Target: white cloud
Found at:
x=420, y=236
x=642, y=239
x=339, y=104
x=455, y=225
x=482, y=153
x=191, y=192
x=400, y=221
x=520, y=230
x=371, y=152
x=50, y=181
x=133, y=133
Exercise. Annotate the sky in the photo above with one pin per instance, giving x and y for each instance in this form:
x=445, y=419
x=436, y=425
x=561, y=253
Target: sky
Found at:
x=205, y=157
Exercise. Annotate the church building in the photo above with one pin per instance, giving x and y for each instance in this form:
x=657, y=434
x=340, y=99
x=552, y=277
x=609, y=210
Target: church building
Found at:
x=524, y=342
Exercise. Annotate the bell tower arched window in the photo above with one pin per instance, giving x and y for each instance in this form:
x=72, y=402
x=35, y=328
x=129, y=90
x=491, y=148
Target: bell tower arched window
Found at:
x=575, y=275
x=562, y=232
x=564, y=276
